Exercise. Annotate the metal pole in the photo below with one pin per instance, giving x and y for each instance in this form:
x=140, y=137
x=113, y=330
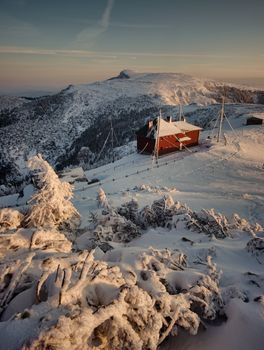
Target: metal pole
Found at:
x=112, y=140
x=221, y=121
x=157, y=140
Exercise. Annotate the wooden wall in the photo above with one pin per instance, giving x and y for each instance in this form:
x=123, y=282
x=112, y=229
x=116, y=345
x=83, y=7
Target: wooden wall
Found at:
x=167, y=144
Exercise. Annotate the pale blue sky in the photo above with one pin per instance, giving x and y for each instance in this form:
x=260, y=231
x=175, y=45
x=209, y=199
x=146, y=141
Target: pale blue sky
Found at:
x=49, y=44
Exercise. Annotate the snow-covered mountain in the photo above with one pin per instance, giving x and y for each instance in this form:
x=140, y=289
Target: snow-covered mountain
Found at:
x=70, y=127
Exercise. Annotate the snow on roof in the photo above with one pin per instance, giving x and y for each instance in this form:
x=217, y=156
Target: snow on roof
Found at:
x=184, y=126
x=168, y=128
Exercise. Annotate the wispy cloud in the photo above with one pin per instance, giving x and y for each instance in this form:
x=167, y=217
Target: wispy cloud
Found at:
x=90, y=34
x=104, y=54
x=105, y=20
x=54, y=52
x=139, y=25
x=114, y=24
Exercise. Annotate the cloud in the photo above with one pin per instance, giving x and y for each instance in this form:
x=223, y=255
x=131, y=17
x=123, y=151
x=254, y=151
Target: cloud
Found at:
x=105, y=20
x=111, y=54
x=90, y=34
x=54, y=52
x=139, y=25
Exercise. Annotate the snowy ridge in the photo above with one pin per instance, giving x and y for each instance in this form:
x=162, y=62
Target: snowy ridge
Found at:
x=10, y=102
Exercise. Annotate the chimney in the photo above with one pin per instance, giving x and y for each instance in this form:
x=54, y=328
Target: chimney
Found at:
x=169, y=119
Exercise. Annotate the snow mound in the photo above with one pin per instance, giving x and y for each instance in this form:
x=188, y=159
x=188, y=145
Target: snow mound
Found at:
x=10, y=219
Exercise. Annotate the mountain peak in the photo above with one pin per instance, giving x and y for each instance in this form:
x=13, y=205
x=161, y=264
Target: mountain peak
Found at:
x=124, y=74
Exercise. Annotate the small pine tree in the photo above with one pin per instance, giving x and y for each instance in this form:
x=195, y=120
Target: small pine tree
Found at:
x=51, y=204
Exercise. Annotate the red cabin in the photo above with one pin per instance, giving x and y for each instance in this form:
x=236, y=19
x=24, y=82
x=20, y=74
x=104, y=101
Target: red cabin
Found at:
x=165, y=136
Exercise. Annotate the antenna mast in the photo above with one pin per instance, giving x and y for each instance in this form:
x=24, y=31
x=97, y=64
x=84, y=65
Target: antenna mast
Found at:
x=112, y=139
x=222, y=113
x=180, y=112
x=157, y=139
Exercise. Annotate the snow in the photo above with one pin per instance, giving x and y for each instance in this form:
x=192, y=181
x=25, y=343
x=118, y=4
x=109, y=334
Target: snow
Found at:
x=9, y=102
x=179, y=282
x=234, y=334
x=72, y=175
x=167, y=128
x=184, y=126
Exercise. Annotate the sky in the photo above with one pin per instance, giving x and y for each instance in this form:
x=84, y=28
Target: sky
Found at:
x=47, y=45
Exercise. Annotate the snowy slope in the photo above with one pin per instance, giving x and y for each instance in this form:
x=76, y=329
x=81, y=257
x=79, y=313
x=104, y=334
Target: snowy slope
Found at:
x=69, y=128
x=205, y=172
x=161, y=269
x=11, y=102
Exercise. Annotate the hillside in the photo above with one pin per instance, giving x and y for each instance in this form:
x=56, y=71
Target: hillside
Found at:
x=166, y=256
x=69, y=128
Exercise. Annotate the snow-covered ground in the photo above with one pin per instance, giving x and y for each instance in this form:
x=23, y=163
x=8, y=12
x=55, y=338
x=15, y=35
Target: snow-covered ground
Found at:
x=165, y=269
x=227, y=178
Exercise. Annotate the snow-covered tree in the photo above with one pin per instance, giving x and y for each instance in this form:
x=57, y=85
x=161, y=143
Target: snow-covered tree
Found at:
x=51, y=204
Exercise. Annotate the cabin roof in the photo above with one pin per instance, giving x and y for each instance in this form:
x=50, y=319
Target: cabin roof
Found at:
x=168, y=128
x=184, y=126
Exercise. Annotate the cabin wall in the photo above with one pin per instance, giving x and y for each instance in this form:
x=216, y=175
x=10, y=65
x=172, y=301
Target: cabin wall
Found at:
x=194, y=136
x=167, y=144
x=146, y=144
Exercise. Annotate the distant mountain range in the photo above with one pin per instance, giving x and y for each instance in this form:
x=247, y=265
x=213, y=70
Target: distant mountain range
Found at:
x=70, y=127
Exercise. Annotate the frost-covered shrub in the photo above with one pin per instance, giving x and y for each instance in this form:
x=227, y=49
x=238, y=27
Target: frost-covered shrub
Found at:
x=153, y=189
x=256, y=247
x=10, y=219
x=129, y=210
x=159, y=214
x=12, y=280
x=51, y=204
x=102, y=199
x=205, y=295
x=210, y=222
x=78, y=302
x=217, y=224
x=104, y=308
x=110, y=226
x=238, y=223
x=164, y=212
x=48, y=240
